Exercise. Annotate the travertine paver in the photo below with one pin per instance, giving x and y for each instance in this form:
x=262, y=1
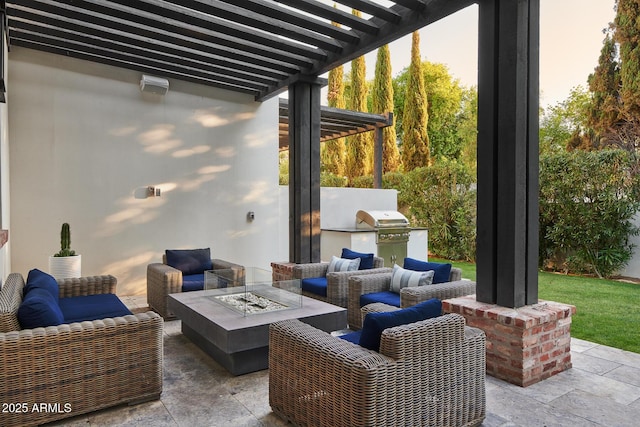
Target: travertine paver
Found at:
x=599, y=391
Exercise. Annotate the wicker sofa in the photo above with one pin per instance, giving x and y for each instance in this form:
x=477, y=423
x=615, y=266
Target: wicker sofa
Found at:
x=360, y=285
x=163, y=279
x=337, y=282
x=429, y=373
x=75, y=368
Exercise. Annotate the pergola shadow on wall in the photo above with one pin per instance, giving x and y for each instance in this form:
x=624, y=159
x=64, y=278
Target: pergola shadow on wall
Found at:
x=263, y=48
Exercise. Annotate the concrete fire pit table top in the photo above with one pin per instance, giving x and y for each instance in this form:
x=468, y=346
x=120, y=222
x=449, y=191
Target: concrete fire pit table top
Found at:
x=240, y=342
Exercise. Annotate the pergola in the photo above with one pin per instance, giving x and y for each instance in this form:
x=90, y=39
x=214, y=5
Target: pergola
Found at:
x=264, y=47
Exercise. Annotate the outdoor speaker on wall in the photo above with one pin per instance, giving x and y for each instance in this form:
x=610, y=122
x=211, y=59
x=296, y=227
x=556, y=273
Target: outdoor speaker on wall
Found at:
x=153, y=84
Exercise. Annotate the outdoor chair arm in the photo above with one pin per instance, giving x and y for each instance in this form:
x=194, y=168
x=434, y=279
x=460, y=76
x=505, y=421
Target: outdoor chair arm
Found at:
x=360, y=285
x=306, y=271
x=414, y=295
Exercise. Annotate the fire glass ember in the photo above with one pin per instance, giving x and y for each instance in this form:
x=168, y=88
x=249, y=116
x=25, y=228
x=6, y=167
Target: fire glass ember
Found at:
x=250, y=303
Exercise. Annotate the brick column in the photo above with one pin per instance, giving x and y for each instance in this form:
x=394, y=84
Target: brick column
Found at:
x=524, y=345
x=282, y=271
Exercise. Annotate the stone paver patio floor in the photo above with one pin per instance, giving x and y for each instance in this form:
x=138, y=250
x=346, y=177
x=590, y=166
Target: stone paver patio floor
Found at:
x=602, y=389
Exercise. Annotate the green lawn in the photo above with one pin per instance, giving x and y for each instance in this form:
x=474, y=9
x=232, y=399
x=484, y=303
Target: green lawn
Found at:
x=607, y=311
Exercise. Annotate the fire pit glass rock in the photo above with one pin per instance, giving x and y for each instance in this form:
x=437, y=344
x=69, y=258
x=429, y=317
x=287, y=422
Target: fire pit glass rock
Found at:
x=251, y=291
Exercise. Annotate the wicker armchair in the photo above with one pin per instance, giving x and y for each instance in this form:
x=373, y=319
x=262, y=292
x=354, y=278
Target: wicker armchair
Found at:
x=162, y=280
x=82, y=367
x=337, y=282
x=361, y=285
x=429, y=373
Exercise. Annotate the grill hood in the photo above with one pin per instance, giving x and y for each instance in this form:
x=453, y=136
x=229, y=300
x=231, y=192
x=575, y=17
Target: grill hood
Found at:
x=380, y=219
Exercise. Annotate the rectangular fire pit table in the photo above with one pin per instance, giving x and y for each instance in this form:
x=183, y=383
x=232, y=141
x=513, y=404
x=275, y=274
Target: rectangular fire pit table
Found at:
x=240, y=342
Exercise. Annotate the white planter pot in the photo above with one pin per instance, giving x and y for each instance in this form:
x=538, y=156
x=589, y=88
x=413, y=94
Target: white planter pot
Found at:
x=63, y=267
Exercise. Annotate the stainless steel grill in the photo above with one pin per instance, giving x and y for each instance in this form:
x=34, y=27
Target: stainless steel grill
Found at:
x=392, y=233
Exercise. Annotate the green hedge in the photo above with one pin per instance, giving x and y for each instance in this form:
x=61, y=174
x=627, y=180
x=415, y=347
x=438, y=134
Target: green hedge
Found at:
x=442, y=198
x=586, y=204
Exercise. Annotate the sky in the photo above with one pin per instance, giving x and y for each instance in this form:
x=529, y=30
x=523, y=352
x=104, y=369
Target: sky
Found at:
x=570, y=41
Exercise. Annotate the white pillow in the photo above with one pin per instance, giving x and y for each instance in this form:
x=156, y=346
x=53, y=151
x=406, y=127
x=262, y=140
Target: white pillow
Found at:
x=342, y=264
x=401, y=278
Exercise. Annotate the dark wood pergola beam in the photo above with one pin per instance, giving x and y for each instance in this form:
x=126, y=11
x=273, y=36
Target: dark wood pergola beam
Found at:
x=333, y=14
x=411, y=20
x=171, y=59
x=272, y=21
x=318, y=10
x=136, y=67
x=143, y=59
x=371, y=8
x=212, y=23
x=156, y=40
x=102, y=16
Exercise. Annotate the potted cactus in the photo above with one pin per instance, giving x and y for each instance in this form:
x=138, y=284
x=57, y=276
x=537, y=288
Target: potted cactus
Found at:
x=65, y=263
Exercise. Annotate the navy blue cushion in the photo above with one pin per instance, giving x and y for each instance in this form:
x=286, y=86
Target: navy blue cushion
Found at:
x=39, y=309
x=193, y=282
x=92, y=307
x=442, y=270
x=315, y=285
x=366, y=260
x=353, y=337
x=41, y=280
x=375, y=323
x=190, y=261
x=386, y=297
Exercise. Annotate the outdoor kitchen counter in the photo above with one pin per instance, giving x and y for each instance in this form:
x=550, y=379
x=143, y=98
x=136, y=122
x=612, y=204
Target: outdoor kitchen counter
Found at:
x=332, y=240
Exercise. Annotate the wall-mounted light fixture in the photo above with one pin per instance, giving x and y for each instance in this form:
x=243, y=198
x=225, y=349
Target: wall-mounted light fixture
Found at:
x=146, y=192
x=152, y=84
x=153, y=191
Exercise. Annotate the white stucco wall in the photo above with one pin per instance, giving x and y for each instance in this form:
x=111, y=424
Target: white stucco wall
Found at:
x=633, y=267
x=85, y=143
x=5, y=252
x=338, y=208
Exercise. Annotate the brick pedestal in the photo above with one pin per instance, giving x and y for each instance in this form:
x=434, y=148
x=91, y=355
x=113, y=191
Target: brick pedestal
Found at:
x=282, y=271
x=524, y=345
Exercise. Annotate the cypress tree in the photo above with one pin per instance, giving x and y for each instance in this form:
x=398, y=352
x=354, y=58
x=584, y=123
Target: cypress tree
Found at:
x=415, y=141
x=358, y=146
x=604, y=84
x=382, y=102
x=627, y=25
x=333, y=151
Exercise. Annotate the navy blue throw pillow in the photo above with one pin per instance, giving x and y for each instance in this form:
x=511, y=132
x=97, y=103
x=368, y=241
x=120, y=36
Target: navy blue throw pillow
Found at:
x=37, y=279
x=39, y=310
x=366, y=260
x=375, y=323
x=442, y=271
x=190, y=261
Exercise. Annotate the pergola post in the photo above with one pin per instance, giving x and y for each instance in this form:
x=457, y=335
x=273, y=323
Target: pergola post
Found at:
x=377, y=158
x=507, y=242
x=304, y=172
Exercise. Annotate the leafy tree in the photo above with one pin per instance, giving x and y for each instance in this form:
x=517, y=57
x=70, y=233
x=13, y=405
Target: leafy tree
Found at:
x=566, y=121
x=625, y=135
x=382, y=102
x=627, y=34
x=447, y=109
x=604, y=84
x=283, y=168
x=467, y=129
x=445, y=98
x=333, y=152
x=358, y=146
x=415, y=140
